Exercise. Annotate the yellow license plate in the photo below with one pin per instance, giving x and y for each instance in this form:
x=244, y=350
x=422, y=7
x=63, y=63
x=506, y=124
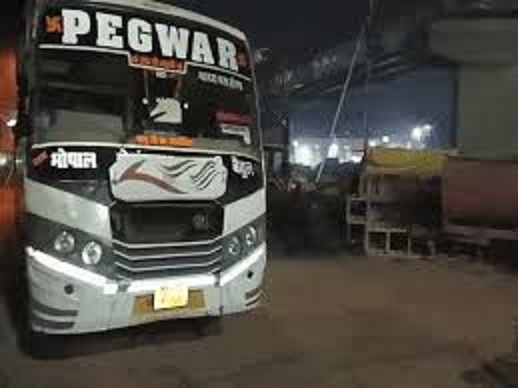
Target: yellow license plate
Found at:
x=167, y=298
x=145, y=304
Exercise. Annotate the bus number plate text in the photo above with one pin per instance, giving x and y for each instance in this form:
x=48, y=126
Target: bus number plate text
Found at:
x=167, y=298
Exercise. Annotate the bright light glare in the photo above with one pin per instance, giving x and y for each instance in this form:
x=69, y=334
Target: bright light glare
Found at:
x=385, y=139
x=295, y=143
x=418, y=133
x=3, y=160
x=305, y=155
x=333, y=151
x=356, y=159
x=373, y=143
x=12, y=123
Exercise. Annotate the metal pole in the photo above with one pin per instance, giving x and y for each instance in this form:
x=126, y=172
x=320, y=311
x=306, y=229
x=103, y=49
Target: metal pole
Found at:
x=342, y=100
x=368, y=64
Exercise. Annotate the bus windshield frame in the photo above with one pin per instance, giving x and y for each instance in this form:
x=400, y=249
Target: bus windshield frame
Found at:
x=88, y=92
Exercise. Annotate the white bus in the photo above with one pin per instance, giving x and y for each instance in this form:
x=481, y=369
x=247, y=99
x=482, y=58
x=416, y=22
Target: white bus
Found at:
x=144, y=187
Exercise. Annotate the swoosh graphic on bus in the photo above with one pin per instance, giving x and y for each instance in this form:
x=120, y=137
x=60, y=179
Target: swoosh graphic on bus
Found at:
x=133, y=174
x=180, y=169
x=207, y=166
x=202, y=179
x=207, y=183
x=184, y=166
x=179, y=172
x=209, y=175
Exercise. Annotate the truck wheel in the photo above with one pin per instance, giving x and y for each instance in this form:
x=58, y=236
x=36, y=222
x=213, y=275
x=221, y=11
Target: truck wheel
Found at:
x=209, y=326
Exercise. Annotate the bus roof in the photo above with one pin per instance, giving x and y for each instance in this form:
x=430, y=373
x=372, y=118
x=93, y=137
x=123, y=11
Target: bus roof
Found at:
x=156, y=6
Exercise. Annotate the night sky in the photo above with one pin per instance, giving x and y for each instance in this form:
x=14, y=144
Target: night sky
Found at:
x=297, y=26
x=286, y=24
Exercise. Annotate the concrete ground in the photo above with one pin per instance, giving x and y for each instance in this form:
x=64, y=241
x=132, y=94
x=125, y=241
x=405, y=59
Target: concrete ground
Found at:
x=336, y=322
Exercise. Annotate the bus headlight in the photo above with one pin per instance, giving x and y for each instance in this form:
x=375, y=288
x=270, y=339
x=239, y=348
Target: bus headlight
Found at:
x=250, y=237
x=65, y=243
x=234, y=247
x=92, y=253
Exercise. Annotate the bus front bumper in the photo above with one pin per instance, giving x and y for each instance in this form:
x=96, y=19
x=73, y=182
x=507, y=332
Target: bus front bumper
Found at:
x=65, y=299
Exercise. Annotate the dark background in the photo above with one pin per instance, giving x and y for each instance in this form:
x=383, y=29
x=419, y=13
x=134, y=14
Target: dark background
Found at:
x=298, y=27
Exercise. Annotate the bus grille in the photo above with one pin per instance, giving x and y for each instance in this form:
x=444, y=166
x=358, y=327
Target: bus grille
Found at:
x=138, y=262
x=158, y=223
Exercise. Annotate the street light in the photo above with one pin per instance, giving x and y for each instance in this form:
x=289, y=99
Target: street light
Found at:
x=305, y=155
x=333, y=151
x=418, y=133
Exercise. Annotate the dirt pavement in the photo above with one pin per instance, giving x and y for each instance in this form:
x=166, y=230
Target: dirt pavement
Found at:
x=341, y=322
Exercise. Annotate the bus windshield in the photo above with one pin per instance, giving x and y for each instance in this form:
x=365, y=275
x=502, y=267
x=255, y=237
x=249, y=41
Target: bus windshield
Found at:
x=99, y=94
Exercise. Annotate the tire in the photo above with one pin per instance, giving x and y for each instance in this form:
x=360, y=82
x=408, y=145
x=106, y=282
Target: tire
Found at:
x=209, y=326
